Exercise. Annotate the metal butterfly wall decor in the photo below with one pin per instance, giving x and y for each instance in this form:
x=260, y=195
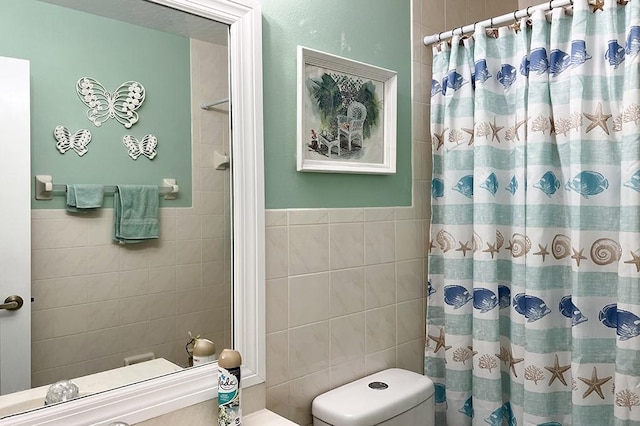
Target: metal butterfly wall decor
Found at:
x=147, y=146
x=120, y=104
x=77, y=141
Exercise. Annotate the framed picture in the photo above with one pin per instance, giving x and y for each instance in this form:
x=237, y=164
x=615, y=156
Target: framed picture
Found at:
x=346, y=115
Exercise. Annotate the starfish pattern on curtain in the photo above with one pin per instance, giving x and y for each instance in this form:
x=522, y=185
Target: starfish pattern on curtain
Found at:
x=533, y=313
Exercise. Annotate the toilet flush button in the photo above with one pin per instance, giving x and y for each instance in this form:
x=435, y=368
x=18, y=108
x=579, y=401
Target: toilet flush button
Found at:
x=378, y=385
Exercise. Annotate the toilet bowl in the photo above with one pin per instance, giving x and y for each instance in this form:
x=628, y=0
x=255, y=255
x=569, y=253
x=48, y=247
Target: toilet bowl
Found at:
x=392, y=397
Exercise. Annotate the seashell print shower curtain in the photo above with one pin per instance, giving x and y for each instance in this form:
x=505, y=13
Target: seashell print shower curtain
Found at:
x=533, y=311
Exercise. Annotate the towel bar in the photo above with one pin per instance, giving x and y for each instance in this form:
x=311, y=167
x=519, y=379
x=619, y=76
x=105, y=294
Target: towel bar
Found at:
x=45, y=188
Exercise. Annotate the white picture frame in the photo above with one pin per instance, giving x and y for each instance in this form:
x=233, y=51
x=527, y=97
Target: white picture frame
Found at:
x=346, y=115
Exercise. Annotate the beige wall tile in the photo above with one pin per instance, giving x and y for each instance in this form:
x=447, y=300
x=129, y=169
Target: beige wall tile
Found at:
x=162, y=305
x=347, y=338
x=347, y=291
x=133, y=283
x=188, y=227
x=347, y=245
x=409, y=240
x=379, y=214
x=54, y=263
x=410, y=280
x=410, y=321
x=379, y=238
x=380, y=329
x=379, y=361
x=134, y=310
x=213, y=249
x=188, y=276
x=308, y=217
x=380, y=285
x=188, y=251
x=455, y=13
x=308, y=249
x=277, y=358
x=102, y=286
x=104, y=258
x=308, y=349
x=162, y=253
x=500, y=7
x=475, y=11
x=347, y=372
x=308, y=299
x=275, y=218
x=162, y=279
x=410, y=356
x=346, y=215
x=433, y=13
x=105, y=314
x=188, y=301
x=301, y=394
x=276, y=252
x=71, y=232
x=56, y=292
x=278, y=399
x=277, y=305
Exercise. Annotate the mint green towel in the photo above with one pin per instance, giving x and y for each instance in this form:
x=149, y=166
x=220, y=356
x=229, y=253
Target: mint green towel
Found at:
x=83, y=198
x=135, y=213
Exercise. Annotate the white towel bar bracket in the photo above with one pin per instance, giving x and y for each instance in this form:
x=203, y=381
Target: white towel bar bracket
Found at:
x=45, y=188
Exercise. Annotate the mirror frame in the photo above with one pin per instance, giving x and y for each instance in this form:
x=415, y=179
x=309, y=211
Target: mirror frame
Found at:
x=154, y=397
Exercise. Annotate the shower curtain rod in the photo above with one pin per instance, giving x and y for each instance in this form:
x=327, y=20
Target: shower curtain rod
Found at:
x=507, y=17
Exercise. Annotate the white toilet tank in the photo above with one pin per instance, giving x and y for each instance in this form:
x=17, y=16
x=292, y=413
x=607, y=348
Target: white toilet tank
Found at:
x=392, y=397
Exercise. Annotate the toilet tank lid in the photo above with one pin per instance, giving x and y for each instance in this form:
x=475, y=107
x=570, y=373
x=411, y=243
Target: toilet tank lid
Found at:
x=358, y=404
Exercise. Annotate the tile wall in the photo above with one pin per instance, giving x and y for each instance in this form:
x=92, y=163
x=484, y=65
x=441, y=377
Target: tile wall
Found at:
x=522, y=4
x=345, y=288
x=97, y=302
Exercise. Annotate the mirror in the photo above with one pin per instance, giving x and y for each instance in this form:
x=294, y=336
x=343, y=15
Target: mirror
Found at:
x=247, y=202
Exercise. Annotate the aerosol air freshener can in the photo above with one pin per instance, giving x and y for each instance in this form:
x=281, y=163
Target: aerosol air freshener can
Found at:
x=229, y=412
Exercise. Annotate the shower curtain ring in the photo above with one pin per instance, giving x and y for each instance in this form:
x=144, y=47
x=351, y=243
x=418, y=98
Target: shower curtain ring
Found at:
x=550, y=7
x=491, y=20
x=528, y=13
x=439, y=39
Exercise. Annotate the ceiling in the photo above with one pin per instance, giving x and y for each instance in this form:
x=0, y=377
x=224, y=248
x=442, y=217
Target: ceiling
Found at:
x=154, y=16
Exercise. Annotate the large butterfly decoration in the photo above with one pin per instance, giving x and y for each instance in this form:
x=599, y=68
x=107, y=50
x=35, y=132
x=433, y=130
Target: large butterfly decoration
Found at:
x=120, y=105
x=147, y=146
x=66, y=141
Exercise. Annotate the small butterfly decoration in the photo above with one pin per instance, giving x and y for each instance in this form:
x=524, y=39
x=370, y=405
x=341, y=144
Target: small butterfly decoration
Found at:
x=77, y=141
x=120, y=104
x=147, y=146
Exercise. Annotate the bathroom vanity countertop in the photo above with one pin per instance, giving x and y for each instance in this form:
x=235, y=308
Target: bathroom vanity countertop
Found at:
x=265, y=418
x=93, y=383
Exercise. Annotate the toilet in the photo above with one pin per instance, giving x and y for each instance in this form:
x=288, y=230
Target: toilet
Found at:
x=392, y=397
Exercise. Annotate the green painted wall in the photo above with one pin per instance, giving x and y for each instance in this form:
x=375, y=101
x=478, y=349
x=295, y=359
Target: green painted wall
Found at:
x=64, y=45
x=374, y=32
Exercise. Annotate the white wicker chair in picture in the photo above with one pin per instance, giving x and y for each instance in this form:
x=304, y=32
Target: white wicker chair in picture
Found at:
x=351, y=125
x=330, y=144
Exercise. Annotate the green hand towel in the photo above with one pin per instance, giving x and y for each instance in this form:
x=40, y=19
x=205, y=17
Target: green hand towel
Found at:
x=135, y=213
x=84, y=198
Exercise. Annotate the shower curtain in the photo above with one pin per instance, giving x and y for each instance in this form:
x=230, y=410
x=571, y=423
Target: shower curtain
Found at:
x=533, y=313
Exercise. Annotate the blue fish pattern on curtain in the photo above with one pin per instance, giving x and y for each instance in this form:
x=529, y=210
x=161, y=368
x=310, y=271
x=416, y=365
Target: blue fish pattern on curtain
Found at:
x=533, y=292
